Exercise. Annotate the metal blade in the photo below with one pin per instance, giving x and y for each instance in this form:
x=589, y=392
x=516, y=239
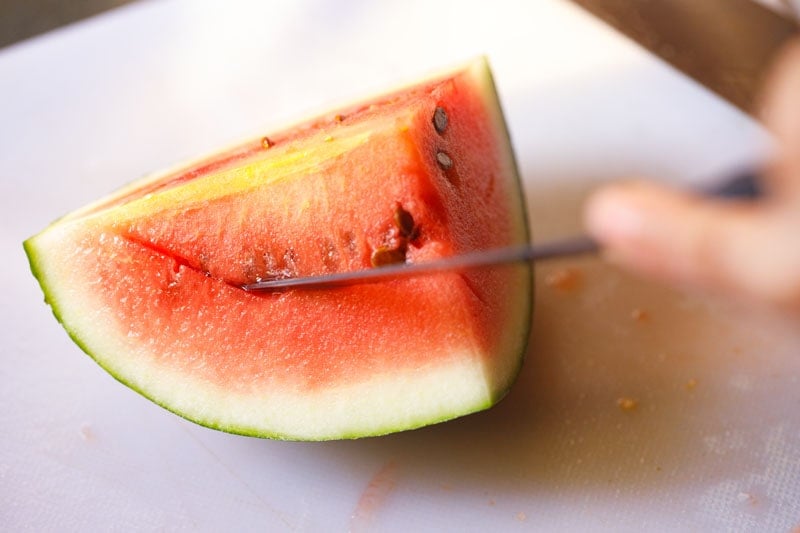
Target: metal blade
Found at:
x=726, y=45
x=497, y=256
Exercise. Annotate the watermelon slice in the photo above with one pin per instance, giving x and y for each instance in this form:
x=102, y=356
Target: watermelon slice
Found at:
x=148, y=281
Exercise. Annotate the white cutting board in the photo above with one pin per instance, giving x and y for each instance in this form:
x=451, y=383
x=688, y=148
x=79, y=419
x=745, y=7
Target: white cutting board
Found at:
x=93, y=106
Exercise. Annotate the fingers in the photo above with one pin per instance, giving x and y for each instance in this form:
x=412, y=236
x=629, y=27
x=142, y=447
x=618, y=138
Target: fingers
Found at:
x=782, y=116
x=736, y=248
x=745, y=249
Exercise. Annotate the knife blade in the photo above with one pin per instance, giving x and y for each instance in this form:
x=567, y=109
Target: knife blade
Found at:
x=725, y=45
x=483, y=258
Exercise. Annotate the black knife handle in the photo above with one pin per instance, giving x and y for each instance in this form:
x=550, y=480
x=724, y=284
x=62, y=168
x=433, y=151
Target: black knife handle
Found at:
x=745, y=186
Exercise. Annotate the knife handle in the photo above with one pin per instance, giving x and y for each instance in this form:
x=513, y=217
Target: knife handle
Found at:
x=745, y=186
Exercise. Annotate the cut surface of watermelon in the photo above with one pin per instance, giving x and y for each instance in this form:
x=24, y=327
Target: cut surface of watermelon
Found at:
x=147, y=281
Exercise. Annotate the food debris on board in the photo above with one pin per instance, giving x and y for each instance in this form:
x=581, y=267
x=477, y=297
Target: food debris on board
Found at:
x=746, y=497
x=374, y=496
x=627, y=403
x=564, y=279
x=86, y=432
x=640, y=315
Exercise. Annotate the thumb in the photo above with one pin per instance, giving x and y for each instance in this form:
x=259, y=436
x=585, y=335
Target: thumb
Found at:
x=736, y=248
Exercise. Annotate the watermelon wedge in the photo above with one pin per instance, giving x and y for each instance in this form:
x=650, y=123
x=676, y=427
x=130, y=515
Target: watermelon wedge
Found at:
x=148, y=281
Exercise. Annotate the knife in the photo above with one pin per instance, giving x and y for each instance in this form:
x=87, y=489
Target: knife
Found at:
x=729, y=55
x=726, y=45
x=743, y=187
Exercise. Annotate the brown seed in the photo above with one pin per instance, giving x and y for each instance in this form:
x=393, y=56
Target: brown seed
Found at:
x=404, y=222
x=266, y=143
x=338, y=118
x=444, y=160
x=387, y=256
x=440, y=120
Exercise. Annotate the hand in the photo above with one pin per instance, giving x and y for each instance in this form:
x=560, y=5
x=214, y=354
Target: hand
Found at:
x=750, y=250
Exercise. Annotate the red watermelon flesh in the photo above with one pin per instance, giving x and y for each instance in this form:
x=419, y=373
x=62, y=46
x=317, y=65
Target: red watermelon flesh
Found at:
x=148, y=281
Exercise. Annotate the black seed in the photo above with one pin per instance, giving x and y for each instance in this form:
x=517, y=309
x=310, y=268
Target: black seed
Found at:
x=404, y=221
x=388, y=256
x=440, y=120
x=444, y=160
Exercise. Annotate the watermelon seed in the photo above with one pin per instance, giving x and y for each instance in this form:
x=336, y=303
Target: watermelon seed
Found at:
x=440, y=120
x=338, y=118
x=388, y=256
x=405, y=222
x=444, y=160
x=266, y=143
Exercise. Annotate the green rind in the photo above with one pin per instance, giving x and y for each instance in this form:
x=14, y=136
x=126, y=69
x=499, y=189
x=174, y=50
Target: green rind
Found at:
x=525, y=231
